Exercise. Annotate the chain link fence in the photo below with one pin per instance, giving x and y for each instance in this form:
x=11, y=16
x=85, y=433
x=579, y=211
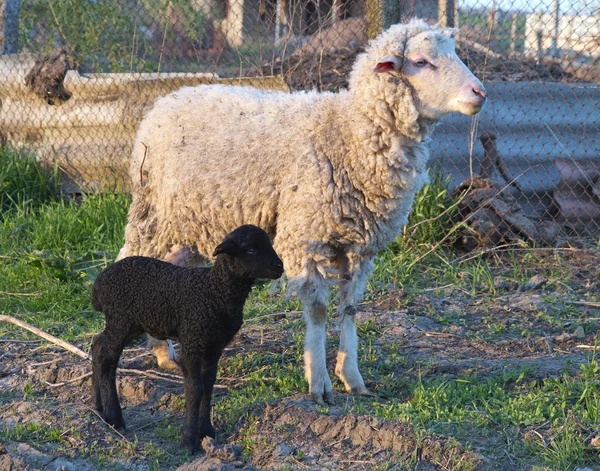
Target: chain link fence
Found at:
x=538, y=139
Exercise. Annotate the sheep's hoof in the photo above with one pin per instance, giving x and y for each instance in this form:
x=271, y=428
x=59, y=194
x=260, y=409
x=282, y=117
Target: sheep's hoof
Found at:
x=362, y=390
x=324, y=399
x=207, y=430
x=191, y=443
x=115, y=421
x=165, y=358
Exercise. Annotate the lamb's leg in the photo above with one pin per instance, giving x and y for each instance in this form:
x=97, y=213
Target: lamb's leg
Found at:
x=184, y=257
x=313, y=294
x=351, y=290
x=107, y=347
x=209, y=376
x=193, y=389
x=97, y=341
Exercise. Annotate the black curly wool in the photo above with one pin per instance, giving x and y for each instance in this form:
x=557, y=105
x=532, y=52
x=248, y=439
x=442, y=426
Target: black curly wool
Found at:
x=200, y=307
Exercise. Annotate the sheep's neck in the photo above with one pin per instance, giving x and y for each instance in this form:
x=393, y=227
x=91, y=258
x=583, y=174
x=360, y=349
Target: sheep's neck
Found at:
x=385, y=165
x=231, y=291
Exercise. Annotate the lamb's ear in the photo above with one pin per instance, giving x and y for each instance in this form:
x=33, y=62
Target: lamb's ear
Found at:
x=228, y=246
x=387, y=64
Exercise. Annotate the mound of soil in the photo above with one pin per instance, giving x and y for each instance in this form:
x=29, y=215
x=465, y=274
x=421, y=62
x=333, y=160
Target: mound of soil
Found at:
x=300, y=436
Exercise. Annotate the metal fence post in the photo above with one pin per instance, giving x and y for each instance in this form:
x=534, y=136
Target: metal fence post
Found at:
x=556, y=8
x=374, y=17
x=11, y=26
x=446, y=13
x=513, y=33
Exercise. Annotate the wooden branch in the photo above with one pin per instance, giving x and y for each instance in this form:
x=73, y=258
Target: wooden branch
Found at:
x=44, y=335
x=79, y=378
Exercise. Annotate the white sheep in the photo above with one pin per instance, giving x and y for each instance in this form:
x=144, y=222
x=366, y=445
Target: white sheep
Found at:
x=330, y=176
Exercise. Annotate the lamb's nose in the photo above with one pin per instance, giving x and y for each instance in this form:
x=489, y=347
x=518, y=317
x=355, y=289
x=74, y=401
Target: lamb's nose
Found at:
x=480, y=91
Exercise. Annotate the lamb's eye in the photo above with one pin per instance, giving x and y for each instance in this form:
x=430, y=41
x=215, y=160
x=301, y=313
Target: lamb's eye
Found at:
x=251, y=251
x=420, y=63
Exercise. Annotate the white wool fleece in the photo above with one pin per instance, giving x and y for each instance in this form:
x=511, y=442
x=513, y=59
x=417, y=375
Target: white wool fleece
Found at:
x=330, y=176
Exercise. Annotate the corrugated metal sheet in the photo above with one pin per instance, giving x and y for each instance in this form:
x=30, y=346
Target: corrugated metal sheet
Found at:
x=536, y=125
x=90, y=135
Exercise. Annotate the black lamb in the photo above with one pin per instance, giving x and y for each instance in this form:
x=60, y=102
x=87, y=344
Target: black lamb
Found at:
x=199, y=307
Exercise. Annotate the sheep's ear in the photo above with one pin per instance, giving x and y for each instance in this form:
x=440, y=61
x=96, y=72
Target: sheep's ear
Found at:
x=450, y=32
x=228, y=246
x=387, y=64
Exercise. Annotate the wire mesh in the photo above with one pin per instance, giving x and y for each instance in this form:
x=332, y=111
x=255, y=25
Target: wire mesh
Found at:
x=539, y=60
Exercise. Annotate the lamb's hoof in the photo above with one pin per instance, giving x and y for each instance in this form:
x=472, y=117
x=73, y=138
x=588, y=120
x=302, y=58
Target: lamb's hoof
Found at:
x=207, y=430
x=362, y=391
x=115, y=421
x=325, y=399
x=191, y=443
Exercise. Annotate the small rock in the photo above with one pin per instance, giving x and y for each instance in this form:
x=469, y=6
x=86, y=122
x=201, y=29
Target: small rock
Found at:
x=500, y=284
x=62, y=465
x=563, y=337
x=282, y=450
x=535, y=282
x=579, y=333
x=595, y=441
x=354, y=44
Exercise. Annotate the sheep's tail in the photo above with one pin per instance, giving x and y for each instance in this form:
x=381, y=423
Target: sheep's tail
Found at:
x=96, y=303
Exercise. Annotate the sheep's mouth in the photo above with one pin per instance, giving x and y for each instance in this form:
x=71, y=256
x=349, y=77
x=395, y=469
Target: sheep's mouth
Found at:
x=472, y=107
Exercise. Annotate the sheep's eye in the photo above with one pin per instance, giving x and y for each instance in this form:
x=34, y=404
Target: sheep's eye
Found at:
x=420, y=63
x=251, y=251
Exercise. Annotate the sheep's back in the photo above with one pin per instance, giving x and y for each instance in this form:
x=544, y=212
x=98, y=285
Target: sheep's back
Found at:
x=212, y=158
x=150, y=293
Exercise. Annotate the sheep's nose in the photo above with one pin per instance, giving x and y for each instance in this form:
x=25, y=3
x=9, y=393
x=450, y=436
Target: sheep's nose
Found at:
x=480, y=91
x=280, y=266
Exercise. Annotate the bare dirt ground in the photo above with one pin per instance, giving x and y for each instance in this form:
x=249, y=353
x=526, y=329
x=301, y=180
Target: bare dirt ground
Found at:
x=437, y=331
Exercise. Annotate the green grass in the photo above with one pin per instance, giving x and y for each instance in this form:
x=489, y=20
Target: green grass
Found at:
x=51, y=249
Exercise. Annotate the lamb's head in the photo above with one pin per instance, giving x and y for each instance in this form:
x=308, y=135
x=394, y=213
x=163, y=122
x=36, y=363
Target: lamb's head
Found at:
x=248, y=253
x=414, y=68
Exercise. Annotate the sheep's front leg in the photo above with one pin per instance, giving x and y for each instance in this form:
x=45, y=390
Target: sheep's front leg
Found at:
x=352, y=286
x=193, y=390
x=313, y=294
x=209, y=376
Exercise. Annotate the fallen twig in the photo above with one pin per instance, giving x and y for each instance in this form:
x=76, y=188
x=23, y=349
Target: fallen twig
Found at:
x=154, y=422
x=6, y=293
x=79, y=378
x=149, y=375
x=108, y=425
x=45, y=335
x=584, y=303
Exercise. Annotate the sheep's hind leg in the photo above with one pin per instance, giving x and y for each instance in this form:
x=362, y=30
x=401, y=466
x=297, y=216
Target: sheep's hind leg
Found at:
x=313, y=294
x=351, y=289
x=164, y=351
x=107, y=347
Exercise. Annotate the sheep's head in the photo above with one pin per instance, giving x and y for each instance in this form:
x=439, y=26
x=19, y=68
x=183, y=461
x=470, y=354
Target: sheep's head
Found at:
x=416, y=69
x=248, y=253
